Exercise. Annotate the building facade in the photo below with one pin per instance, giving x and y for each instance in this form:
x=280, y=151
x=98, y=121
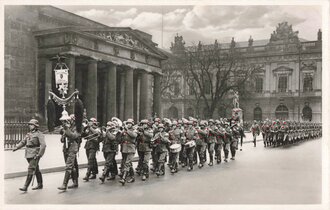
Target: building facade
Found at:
x=288, y=86
x=116, y=70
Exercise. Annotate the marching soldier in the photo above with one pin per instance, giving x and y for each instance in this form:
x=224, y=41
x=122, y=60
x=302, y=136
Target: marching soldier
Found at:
x=190, y=145
x=255, y=130
x=175, y=138
x=128, y=139
x=71, y=141
x=219, y=133
x=35, y=145
x=144, y=148
x=234, y=140
x=227, y=139
x=110, y=149
x=160, y=140
x=92, y=134
x=211, y=140
x=201, y=142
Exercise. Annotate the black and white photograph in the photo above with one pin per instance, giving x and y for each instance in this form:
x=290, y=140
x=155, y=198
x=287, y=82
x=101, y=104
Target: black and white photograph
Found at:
x=201, y=104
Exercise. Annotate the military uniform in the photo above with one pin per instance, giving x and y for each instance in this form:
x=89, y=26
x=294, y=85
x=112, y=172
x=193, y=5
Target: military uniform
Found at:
x=35, y=147
x=218, y=144
x=175, y=138
x=234, y=141
x=128, y=140
x=71, y=141
x=211, y=142
x=161, y=141
x=227, y=139
x=92, y=145
x=110, y=149
x=144, y=151
x=201, y=144
x=190, y=135
x=255, y=130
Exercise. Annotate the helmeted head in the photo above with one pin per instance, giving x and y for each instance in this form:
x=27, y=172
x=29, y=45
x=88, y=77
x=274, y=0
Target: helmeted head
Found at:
x=93, y=122
x=211, y=122
x=129, y=123
x=111, y=125
x=144, y=123
x=33, y=124
x=161, y=127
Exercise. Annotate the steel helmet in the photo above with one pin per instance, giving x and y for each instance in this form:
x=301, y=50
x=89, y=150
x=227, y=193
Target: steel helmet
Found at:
x=34, y=122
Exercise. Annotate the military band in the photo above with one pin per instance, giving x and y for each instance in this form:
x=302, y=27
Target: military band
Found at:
x=153, y=140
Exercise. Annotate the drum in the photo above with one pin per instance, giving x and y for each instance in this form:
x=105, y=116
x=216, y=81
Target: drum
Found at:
x=190, y=144
x=175, y=148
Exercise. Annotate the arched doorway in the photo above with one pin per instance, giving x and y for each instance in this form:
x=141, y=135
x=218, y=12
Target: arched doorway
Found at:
x=257, y=114
x=282, y=112
x=307, y=113
x=173, y=112
x=190, y=112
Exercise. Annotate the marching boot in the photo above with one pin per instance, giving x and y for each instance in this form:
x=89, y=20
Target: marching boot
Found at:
x=27, y=183
x=112, y=177
x=131, y=176
x=74, y=176
x=104, y=174
x=211, y=160
x=39, y=180
x=88, y=173
x=65, y=181
x=93, y=176
x=123, y=179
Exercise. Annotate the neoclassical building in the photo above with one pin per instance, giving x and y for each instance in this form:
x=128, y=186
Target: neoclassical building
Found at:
x=116, y=70
x=288, y=86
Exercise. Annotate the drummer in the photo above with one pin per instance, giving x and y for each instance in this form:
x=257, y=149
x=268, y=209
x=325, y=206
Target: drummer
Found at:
x=190, y=134
x=175, y=146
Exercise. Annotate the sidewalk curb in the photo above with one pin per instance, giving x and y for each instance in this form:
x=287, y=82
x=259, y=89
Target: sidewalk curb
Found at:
x=62, y=168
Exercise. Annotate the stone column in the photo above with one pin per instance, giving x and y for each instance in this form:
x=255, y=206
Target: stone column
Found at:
x=144, y=97
x=122, y=95
x=72, y=80
x=91, y=99
x=128, y=113
x=48, y=82
x=156, y=95
x=111, y=91
x=79, y=84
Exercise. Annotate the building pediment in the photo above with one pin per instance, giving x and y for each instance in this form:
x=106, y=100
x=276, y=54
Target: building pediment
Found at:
x=282, y=70
x=121, y=36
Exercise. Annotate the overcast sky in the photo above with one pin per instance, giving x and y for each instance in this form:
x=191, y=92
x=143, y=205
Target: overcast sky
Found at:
x=205, y=23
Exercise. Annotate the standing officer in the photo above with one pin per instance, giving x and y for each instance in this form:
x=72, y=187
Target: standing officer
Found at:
x=71, y=141
x=92, y=134
x=109, y=149
x=144, y=148
x=34, y=142
x=128, y=139
x=255, y=130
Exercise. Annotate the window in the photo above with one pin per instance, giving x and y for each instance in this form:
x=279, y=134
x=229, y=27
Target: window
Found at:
x=257, y=114
x=307, y=113
x=259, y=84
x=308, y=82
x=282, y=83
x=282, y=112
x=176, y=88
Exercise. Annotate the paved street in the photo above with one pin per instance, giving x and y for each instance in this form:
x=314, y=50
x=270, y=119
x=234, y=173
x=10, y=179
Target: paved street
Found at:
x=290, y=175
